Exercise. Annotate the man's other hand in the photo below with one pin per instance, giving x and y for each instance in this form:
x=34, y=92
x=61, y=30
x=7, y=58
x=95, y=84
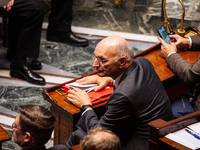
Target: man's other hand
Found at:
x=180, y=41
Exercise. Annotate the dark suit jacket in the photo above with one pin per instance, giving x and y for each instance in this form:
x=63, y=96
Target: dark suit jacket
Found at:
x=186, y=72
x=138, y=99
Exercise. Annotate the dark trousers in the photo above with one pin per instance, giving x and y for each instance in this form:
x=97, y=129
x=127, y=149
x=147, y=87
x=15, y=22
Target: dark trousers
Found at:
x=60, y=18
x=24, y=30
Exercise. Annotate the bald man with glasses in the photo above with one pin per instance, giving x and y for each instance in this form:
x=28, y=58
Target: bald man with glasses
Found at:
x=139, y=96
x=33, y=128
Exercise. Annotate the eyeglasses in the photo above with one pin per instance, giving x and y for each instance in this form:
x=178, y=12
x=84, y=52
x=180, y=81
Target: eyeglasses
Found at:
x=100, y=60
x=14, y=126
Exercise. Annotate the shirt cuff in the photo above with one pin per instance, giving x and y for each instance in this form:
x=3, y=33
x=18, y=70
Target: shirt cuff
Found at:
x=113, y=82
x=86, y=111
x=171, y=53
x=190, y=42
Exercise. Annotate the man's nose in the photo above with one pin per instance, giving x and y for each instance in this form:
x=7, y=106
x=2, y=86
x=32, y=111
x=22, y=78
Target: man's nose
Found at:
x=96, y=63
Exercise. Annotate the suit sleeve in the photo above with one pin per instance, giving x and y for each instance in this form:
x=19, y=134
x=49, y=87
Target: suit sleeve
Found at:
x=118, y=115
x=195, y=42
x=186, y=72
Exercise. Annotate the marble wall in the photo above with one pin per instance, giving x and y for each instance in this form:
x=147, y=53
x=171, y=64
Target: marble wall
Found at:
x=133, y=16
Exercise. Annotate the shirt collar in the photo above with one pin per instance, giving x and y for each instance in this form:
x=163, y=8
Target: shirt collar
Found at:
x=117, y=80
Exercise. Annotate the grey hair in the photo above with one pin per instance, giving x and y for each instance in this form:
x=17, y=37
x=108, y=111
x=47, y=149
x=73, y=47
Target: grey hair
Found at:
x=124, y=49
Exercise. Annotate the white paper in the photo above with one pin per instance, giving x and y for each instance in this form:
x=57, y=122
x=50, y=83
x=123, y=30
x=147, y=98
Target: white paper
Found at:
x=186, y=139
x=86, y=87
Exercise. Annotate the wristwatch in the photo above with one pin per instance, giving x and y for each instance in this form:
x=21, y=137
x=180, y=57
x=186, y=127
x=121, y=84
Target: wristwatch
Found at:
x=84, y=107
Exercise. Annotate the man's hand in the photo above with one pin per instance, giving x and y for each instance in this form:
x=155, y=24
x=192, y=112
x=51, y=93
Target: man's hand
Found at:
x=8, y=6
x=78, y=97
x=180, y=42
x=166, y=49
x=101, y=81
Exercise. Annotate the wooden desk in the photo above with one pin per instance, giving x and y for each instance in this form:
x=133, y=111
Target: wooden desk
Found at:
x=4, y=136
x=75, y=147
x=172, y=84
x=67, y=114
x=159, y=128
x=160, y=66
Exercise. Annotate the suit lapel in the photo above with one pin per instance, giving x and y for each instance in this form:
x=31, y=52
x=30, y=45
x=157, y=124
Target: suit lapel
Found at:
x=128, y=71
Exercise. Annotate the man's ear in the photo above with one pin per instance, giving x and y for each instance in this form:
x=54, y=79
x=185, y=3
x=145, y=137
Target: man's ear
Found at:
x=27, y=137
x=123, y=61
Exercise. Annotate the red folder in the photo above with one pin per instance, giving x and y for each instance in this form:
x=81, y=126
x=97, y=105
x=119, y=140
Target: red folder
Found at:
x=96, y=97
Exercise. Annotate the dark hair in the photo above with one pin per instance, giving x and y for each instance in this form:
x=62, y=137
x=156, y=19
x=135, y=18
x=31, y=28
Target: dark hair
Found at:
x=38, y=121
x=96, y=140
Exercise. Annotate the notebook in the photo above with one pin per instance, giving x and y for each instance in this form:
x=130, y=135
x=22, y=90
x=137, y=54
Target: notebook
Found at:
x=186, y=139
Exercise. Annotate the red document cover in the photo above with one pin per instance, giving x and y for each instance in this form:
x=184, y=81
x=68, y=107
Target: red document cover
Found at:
x=96, y=97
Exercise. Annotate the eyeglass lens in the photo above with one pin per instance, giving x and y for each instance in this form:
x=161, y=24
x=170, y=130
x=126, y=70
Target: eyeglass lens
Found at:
x=98, y=59
x=15, y=127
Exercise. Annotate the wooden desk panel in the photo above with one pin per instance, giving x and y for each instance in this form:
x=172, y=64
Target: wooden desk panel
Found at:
x=75, y=147
x=167, y=144
x=4, y=136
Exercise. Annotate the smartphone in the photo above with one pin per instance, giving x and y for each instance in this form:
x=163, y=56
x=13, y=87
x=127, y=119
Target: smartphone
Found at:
x=164, y=35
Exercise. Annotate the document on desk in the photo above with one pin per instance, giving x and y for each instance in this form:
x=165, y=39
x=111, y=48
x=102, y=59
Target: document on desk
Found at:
x=4, y=2
x=87, y=87
x=95, y=96
x=185, y=138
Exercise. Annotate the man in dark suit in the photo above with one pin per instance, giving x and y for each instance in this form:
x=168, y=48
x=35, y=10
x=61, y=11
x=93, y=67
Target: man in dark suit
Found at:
x=33, y=128
x=186, y=72
x=60, y=20
x=139, y=96
x=24, y=32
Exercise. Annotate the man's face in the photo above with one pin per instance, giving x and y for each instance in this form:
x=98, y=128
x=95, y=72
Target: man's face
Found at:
x=18, y=134
x=106, y=62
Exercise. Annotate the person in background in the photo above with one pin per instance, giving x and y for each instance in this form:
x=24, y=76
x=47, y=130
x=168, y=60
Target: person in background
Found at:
x=25, y=18
x=100, y=139
x=60, y=20
x=186, y=72
x=139, y=96
x=33, y=128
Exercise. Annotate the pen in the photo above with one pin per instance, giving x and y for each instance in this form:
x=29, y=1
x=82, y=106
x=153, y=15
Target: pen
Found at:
x=192, y=132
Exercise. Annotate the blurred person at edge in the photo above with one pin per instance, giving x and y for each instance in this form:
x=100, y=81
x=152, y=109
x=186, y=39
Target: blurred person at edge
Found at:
x=33, y=128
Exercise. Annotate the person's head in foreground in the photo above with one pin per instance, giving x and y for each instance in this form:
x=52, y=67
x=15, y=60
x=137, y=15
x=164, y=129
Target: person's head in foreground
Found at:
x=33, y=126
x=112, y=56
x=100, y=139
